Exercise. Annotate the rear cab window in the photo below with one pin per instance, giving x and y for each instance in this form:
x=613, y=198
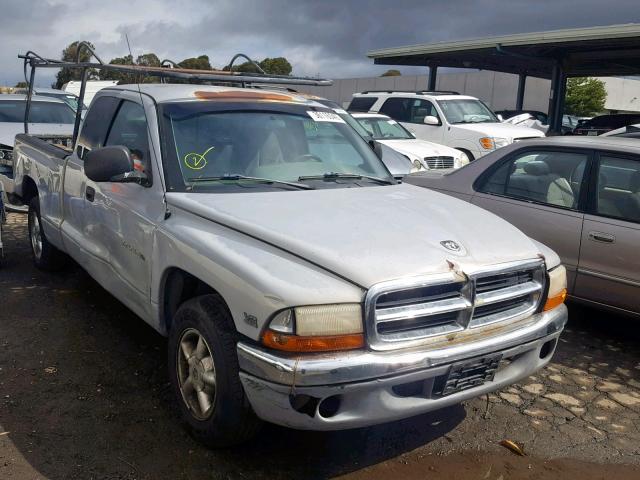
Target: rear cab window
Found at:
x=617, y=192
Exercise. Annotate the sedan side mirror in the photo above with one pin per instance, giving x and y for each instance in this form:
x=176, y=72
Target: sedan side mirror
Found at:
x=431, y=120
x=110, y=164
x=500, y=117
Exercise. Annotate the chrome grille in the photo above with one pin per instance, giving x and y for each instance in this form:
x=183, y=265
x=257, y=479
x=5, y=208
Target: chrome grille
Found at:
x=406, y=312
x=439, y=162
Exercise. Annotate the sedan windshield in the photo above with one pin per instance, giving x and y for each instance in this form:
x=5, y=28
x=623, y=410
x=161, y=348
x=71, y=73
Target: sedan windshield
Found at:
x=467, y=111
x=263, y=147
x=12, y=111
x=381, y=128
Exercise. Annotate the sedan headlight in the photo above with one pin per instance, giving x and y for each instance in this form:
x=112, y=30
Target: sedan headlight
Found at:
x=316, y=328
x=461, y=160
x=491, y=143
x=557, y=287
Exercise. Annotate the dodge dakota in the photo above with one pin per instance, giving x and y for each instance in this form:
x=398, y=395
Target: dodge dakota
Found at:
x=296, y=280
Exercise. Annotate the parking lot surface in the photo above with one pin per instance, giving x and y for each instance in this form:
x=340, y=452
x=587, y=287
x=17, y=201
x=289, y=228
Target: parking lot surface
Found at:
x=84, y=394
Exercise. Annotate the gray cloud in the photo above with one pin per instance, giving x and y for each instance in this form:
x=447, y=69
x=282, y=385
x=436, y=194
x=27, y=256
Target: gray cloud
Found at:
x=329, y=37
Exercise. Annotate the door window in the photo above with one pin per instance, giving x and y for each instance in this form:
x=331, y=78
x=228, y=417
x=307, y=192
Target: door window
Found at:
x=129, y=129
x=94, y=127
x=618, y=188
x=411, y=110
x=553, y=178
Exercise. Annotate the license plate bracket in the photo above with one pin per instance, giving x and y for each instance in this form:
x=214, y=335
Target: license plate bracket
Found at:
x=468, y=374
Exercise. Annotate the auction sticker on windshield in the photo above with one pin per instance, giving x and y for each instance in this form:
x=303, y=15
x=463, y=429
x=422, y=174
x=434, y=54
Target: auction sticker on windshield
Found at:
x=325, y=117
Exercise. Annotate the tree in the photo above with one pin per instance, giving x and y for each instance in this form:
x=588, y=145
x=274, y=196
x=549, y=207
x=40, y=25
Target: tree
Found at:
x=20, y=85
x=585, y=96
x=276, y=66
x=196, y=63
x=69, y=55
x=391, y=73
x=121, y=77
x=148, y=60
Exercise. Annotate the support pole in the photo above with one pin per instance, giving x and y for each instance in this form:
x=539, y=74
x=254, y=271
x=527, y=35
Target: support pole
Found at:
x=522, y=80
x=433, y=72
x=556, y=100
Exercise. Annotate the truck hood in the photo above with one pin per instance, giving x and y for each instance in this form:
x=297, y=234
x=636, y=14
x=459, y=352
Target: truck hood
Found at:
x=367, y=234
x=504, y=130
x=420, y=148
x=9, y=130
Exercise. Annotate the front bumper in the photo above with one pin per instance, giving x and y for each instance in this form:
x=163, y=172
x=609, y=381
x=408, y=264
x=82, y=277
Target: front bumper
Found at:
x=334, y=391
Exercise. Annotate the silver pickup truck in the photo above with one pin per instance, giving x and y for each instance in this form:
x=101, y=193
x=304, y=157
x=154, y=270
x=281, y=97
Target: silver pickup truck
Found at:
x=297, y=281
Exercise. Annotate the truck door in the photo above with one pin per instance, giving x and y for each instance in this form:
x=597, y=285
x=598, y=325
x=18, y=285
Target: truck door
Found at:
x=93, y=134
x=121, y=217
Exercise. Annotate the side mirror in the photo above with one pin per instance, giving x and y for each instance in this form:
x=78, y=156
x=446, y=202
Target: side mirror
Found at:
x=500, y=117
x=110, y=164
x=431, y=120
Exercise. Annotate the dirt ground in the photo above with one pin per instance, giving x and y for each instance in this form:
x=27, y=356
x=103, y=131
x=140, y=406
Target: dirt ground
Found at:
x=84, y=394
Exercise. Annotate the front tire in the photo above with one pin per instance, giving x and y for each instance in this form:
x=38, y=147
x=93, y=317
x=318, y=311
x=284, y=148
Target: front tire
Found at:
x=204, y=374
x=45, y=255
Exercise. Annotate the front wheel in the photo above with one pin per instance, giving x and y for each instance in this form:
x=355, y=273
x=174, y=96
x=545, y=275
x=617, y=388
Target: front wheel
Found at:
x=45, y=255
x=204, y=373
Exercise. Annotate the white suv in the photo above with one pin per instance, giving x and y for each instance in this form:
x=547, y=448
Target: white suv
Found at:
x=459, y=121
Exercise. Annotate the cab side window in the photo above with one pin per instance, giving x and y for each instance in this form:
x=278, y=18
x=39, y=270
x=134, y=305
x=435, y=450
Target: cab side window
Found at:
x=129, y=128
x=552, y=178
x=618, y=188
x=94, y=127
x=397, y=108
x=420, y=109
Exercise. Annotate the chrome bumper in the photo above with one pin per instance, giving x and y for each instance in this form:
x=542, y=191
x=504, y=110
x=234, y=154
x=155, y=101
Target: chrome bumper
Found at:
x=362, y=383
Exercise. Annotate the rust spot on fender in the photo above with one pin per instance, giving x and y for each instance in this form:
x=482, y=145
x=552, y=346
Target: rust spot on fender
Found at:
x=246, y=96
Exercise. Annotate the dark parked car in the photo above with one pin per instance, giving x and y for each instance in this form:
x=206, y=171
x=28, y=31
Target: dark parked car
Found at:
x=605, y=123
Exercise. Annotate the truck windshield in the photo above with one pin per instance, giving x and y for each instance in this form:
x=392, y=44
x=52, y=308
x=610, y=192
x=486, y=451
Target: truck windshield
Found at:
x=467, y=111
x=12, y=111
x=381, y=128
x=208, y=149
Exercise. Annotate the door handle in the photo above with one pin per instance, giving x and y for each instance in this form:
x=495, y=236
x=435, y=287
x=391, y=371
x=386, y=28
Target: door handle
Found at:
x=602, y=237
x=90, y=194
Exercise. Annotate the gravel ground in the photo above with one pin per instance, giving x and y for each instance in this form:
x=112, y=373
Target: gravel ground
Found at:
x=84, y=394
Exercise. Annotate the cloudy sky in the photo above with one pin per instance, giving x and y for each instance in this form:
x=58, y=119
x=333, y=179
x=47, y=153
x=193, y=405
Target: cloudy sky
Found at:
x=325, y=37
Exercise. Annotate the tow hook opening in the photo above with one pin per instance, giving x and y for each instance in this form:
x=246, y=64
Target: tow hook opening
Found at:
x=304, y=404
x=547, y=349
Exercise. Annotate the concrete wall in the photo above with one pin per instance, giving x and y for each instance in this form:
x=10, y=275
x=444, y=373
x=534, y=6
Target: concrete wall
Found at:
x=623, y=94
x=497, y=89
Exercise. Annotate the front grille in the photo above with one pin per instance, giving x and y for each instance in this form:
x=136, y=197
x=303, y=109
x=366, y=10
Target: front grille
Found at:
x=408, y=312
x=439, y=162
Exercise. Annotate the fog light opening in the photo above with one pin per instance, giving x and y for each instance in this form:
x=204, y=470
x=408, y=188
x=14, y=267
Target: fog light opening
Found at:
x=304, y=404
x=547, y=349
x=329, y=406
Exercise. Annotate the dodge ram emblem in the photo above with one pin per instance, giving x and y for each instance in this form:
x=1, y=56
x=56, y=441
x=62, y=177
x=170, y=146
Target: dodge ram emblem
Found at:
x=451, y=245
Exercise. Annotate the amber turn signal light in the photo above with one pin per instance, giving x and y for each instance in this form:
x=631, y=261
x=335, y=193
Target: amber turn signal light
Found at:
x=556, y=300
x=295, y=343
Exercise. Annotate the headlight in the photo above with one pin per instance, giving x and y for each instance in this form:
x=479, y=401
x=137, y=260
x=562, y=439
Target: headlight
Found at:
x=6, y=156
x=316, y=328
x=557, y=287
x=461, y=160
x=490, y=143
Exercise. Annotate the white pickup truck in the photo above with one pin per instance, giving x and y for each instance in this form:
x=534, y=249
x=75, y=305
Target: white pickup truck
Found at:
x=297, y=281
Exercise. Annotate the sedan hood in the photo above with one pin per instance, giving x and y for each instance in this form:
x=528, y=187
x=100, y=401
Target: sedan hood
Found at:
x=504, y=130
x=367, y=234
x=420, y=148
x=9, y=130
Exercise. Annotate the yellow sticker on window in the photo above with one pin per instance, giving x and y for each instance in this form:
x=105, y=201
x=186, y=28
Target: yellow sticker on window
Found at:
x=197, y=161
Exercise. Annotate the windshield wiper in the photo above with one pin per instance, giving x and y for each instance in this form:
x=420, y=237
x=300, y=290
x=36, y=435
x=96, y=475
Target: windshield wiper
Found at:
x=234, y=176
x=355, y=176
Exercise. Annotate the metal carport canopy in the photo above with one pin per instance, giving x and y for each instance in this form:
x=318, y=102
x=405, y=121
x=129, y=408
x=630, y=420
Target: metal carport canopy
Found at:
x=557, y=54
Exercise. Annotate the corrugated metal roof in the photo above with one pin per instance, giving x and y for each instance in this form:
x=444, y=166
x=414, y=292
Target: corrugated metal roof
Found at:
x=610, y=32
